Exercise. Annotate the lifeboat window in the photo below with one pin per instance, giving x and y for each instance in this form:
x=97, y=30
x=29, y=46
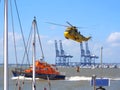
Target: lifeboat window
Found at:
x=46, y=68
x=37, y=68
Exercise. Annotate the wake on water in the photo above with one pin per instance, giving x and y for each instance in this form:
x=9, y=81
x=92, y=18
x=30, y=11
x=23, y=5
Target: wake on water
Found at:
x=72, y=78
x=22, y=78
x=78, y=78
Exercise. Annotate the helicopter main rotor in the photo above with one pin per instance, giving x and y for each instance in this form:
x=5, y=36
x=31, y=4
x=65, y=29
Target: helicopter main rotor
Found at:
x=70, y=25
x=57, y=24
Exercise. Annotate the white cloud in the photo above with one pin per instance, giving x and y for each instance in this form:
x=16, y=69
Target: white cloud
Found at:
x=18, y=37
x=111, y=48
x=50, y=42
x=114, y=39
x=43, y=36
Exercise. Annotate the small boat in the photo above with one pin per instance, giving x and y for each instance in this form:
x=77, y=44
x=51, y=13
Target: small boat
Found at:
x=43, y=70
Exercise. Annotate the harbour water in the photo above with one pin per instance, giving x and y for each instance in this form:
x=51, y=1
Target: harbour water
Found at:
x=74, y=80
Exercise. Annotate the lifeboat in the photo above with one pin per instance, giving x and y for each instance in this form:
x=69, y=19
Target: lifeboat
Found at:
x=43, y=70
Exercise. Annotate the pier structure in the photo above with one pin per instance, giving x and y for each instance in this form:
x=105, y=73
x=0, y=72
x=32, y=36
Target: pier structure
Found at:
x=86, y=57
x=61, y=59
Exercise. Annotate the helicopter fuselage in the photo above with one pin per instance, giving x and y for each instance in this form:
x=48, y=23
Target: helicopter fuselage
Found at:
x=72, y=33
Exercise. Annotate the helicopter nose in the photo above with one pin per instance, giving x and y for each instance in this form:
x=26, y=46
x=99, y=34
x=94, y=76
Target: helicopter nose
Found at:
x=66, y=34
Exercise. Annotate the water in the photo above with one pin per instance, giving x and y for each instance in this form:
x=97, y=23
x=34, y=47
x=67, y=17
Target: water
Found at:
x=74, y=80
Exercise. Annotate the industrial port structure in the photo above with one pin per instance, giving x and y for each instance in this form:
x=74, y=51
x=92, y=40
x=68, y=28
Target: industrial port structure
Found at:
x=87, y=58
x=63, y=59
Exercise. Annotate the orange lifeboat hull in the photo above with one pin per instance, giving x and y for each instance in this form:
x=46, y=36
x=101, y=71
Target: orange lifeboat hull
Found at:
x=42, y=70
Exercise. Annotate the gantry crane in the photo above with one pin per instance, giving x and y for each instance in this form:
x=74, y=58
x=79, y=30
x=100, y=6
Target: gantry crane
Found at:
x=61, y=59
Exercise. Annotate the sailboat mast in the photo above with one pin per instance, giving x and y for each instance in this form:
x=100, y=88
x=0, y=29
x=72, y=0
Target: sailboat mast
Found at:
x=5, y=44
x=34, y=53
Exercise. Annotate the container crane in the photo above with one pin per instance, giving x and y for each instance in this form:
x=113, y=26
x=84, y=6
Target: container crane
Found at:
x=62, y=59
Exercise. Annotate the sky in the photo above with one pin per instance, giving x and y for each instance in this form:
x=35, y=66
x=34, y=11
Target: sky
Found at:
x=99, y=19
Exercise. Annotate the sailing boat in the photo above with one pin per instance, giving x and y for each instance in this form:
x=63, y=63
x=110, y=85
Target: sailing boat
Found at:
x=43, y=70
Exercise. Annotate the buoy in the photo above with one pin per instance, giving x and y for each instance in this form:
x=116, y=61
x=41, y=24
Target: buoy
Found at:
x=78, y=69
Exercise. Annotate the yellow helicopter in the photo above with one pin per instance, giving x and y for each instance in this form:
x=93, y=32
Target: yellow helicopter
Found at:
x=72, y=33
